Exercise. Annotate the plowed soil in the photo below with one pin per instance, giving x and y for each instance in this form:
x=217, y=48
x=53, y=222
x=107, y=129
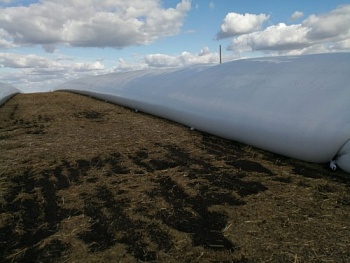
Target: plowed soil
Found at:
x=83, y=180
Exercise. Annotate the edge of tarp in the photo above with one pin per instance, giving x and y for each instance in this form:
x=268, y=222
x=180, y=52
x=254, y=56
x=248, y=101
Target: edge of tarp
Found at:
x=7, y=92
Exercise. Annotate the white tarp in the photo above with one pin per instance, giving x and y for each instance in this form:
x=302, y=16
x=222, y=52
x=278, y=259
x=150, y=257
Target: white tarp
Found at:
x=297, y=106
x=6, y=92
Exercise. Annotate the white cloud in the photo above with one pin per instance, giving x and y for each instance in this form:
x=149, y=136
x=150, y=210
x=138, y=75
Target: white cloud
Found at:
x=10, y=60
x=317, y=33
x=95, y=66
x=124, y=66
x=237, y=24
x=184, y=59
x=331, y=26
x=5, y=40
x=24, y=70
x=276, y=37
x=204, y=51
x=168, y=61
x=35, y=62
x=296, y=15
x=92, y=23
x=162, y=60
x=342, y=45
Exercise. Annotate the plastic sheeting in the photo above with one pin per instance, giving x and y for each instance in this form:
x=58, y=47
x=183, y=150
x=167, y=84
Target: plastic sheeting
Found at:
x=6, y=92
x=297, y=106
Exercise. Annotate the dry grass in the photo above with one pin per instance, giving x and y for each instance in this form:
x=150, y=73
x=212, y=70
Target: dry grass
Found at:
x=83, y=180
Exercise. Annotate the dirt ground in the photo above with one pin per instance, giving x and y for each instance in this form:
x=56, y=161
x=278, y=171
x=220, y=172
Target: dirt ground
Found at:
x=82, y=180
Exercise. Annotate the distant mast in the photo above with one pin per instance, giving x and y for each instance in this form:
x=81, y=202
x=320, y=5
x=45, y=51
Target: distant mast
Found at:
x=220, y=53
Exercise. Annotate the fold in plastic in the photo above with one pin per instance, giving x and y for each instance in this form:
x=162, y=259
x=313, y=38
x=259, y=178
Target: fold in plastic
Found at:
x=297, y=106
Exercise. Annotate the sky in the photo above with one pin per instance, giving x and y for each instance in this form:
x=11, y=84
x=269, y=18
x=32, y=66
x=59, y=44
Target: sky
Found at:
x=46, y=42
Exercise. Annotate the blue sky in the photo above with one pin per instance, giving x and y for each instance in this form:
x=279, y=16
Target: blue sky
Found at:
x=44, y=43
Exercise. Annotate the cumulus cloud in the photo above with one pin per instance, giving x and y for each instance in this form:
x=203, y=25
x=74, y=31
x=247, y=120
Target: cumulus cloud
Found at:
x=91, y=23
x=184, y=59
x=237, y=24
x=341, y=45
x=331, y=26
x=317, y=33
x=35, y=63
x=124, y=66
x=5, y=40
x=276, y=37
x=162, y=60
x=24, y=70
x=296, y=15
x=205, y=56
x=10, y=60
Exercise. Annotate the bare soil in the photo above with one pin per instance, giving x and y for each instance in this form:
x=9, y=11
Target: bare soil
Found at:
x=83, y=180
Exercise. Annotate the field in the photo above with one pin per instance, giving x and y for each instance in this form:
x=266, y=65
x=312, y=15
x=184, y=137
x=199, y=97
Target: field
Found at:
x=83, y=180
